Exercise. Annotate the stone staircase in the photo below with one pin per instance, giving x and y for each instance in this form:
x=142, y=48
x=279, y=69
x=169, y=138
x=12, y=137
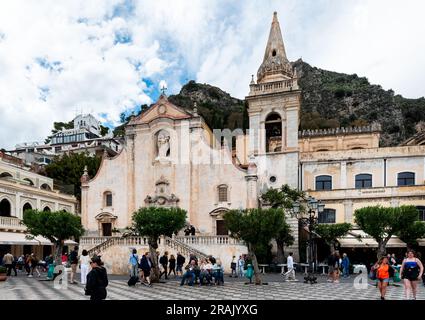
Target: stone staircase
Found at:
x=115, y=250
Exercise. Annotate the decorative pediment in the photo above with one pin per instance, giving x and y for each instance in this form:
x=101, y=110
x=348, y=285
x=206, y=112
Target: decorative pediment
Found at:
x=161, y=109
x=218, y=211
x=103, y=216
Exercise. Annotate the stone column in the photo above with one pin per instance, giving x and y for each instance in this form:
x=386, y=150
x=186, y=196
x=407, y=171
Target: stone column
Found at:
x=18, y=209
x=252, y=189
x=343, y=173
x=130, y=178
x=348, y=211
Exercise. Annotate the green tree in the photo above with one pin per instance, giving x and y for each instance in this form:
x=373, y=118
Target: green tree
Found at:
x=103, y=130
x=68, y=168
x=381, y=223
x=57, y=226
x=153, y=222
x=412, y=233
x=331, y=232
x=284, y=198
x=257, y=227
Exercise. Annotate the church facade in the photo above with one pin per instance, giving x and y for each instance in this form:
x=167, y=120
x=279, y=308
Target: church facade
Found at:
x=172, y=158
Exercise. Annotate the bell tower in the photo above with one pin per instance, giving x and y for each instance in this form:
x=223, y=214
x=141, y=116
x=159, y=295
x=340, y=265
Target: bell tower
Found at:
x=273, y=109
x=274, y=100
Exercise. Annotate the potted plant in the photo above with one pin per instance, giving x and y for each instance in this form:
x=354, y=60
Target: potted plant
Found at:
x=3, y=273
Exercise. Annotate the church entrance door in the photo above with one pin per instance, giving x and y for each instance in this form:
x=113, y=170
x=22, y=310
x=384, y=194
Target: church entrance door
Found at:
x=107, y=229
x=221, y=228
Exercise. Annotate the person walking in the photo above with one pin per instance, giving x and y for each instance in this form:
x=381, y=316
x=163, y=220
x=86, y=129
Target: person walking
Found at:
x=164, y=263
x=411, y=271
x=97, y=280
x=8, y=261
x=172, y=265
x=73, y=260
x=180, y=262
x=134, y=263
x=33, y=263
x=345, y=266
x=383, y=274
x=146, y=266
x=84, y=266
x=233, y=268
x=337, y=267
x=241, y=266
x=331, y=264
x=290, y=274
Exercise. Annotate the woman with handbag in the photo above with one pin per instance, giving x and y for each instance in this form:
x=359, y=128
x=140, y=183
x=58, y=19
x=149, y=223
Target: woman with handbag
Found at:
x=411, y=271
x=383, y=273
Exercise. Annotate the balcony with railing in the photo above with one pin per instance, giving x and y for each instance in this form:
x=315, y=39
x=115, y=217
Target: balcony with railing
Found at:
x=273, y=87
x=11, y=224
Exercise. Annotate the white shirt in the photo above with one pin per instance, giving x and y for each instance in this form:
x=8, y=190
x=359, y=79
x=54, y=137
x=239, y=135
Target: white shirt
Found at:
x=85, y=260
x=290, y=262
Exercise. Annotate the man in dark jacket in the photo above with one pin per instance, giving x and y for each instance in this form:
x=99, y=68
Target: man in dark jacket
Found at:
x=180, y=262
x=97, y=280
x=146, y=266
x=164, y=262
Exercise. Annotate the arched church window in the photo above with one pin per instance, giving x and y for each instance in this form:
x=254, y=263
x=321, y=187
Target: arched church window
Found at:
x=45, y=186
x=108, y=199
x=26, y=206
x=273, y=126
x=222, y=193
x=5, y=208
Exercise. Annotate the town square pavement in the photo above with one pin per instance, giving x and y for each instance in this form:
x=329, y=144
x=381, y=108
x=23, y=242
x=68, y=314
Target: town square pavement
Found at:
x=37, y=288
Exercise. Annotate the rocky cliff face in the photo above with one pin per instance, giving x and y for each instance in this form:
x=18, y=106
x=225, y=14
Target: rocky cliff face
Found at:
x=329, y=100
x=217, y=107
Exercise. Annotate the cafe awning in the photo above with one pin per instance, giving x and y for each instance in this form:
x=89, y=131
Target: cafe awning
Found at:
x=16, y=238
x=360, y=239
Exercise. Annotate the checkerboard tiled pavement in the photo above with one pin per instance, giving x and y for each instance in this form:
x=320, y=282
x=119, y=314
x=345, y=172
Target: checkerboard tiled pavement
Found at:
x=21, y=287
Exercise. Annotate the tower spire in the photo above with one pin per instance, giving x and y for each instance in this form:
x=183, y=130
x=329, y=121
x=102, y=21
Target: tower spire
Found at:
x=275, y=64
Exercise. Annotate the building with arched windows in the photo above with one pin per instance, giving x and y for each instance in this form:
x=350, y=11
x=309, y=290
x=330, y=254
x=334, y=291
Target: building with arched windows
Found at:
x=172, y=158
x=21, y=189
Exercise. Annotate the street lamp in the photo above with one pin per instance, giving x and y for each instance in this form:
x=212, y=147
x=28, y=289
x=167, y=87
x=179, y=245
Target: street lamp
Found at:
x=310, y=221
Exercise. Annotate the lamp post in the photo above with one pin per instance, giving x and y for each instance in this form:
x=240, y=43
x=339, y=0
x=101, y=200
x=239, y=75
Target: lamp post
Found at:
x=310, y=221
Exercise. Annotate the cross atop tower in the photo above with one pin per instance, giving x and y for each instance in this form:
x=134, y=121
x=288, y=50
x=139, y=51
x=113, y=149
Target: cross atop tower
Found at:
x=163, y=89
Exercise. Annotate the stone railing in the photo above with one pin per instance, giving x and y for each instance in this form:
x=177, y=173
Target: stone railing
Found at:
x=10, y=223
x=271, y=87
x=376, y=127
x=209, y=240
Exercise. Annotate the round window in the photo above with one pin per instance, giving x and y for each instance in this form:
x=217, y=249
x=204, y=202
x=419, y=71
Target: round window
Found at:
x=272, y=179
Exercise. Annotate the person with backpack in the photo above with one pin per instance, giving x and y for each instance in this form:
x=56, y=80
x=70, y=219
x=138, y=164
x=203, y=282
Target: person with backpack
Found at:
x=73, y=260
x=163, y=261
x=97, y=280
x=382, y=272
x=134, y=263
x=411, y=271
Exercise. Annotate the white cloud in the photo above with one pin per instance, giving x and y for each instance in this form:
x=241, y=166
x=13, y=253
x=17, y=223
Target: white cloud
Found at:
x=105, y=63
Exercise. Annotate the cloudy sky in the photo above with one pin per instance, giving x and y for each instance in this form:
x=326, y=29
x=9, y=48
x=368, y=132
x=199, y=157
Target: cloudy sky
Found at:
x=108, y=56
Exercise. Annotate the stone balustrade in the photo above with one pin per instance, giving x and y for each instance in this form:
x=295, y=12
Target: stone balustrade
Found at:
x=276, y=86
x=11, y=223
x=209, y=240
x=375, y=127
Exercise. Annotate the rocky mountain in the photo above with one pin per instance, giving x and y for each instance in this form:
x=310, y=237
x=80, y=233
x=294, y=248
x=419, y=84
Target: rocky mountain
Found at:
x=332, y=99
x=329, y=100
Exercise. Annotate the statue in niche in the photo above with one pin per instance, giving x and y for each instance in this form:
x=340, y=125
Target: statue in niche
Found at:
x=163, y=143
